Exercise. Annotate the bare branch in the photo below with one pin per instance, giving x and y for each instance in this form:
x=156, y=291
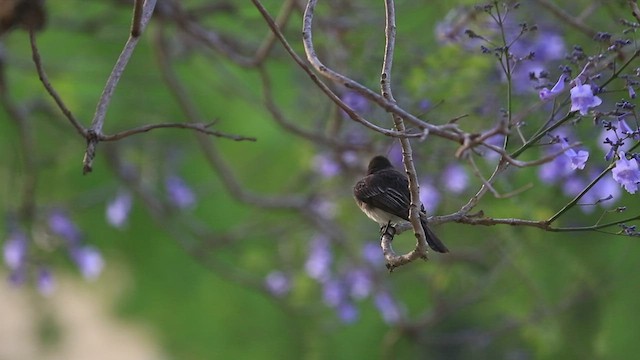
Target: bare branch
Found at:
x=95, y=131
x=449, y=131
x=203, y=128
x=293, y=128
x=420, y=250
x=566, y=18
x=521, y=164
x=26, y=138
x=335, y=98
x=394, y=260
x=47, y=85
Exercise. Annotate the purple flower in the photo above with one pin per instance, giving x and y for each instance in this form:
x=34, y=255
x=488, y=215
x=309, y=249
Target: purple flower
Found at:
x=118, y=209
x=577, y=159
x=61, y=225
x=550, y=46
x=626, y=129
x=88, y=260
x=554, y=170
x=356, y=101
x=326, y=166
x=496, y=140
x=347, y=312
x=324, y=208
x=278, y=283
x=546, y=94
x=318, y=264
x=388, y=307
x=425, y=105
x=18, y=276
x=572, y=185
x=626, y=173
x=350, y=158
x=603, y=189
x=179, y=192
x=359, y=282
x=455, y=178
x=372, y=254
x=582, y=98
x=333, y=292
x=15, y=250
x=45, y=282
x=429, y=196
x=395, y=155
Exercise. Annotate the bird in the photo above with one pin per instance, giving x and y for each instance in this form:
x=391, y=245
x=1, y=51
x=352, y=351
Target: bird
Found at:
x=383, y=195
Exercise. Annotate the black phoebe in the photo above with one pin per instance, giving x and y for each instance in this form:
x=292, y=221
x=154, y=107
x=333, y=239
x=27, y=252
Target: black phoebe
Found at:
x=384, y=196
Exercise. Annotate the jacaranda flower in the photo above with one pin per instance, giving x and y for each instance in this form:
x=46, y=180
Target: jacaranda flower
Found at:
x=627, y=173
x=546, y=94
x=582, y=98
x=578, y=158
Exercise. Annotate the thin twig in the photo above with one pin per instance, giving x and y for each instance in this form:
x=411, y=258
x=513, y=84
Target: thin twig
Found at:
x=29, y=178
x=566, y=17
x=575, y=200
x=200, y=127
x=277, y=115
x=522, y=164
x=47, y=85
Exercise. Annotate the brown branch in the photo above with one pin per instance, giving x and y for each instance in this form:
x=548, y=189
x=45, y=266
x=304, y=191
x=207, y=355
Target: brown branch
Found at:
x=210, y=38
x=284, y=123
x=200, y=127
x=325, y=89
x=47, y=85
x=29, y=177
x=566, y=17
x=95, y=131
x=448, y=131
x=420, y=250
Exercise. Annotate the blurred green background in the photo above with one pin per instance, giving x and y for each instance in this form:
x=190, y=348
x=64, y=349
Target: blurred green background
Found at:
x=189, y=282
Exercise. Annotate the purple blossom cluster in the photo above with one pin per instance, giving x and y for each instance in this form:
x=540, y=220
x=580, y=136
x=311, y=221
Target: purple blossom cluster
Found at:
x=86, y=257
x=525, y=55
x=342, y=290
x=20, y=258
x=179, y=193
x=564, y=170
x=118, y=209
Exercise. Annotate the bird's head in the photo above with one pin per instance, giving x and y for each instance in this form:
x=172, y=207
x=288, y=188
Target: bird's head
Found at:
x=378, y=163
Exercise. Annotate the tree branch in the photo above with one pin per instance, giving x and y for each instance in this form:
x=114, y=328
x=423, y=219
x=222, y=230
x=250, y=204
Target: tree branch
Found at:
x=203, y=128
x=325, y=89
x=448, y=131
x=47, y=85
x=95, y=131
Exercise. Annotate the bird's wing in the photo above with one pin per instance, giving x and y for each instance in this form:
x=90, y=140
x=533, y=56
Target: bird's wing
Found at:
x=390, y=194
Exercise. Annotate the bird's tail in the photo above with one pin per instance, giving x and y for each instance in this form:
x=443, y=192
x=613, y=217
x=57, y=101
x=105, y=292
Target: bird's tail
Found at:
x=433, y=241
